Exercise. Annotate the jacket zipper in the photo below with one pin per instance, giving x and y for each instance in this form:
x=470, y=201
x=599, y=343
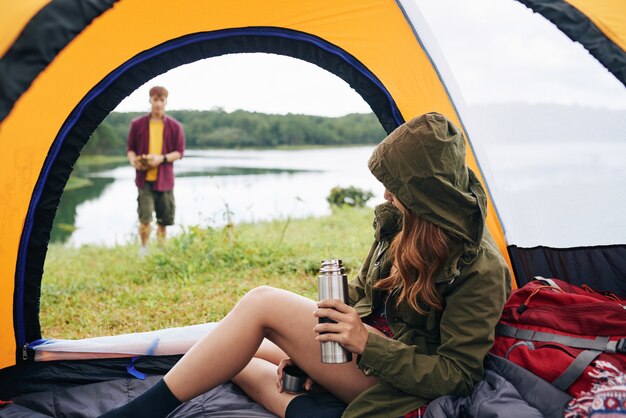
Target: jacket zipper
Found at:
x=31, y=346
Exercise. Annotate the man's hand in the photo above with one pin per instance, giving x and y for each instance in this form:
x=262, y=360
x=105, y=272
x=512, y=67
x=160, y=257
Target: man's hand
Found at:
x=138, y=162
x=349, y=330
x=154, y=160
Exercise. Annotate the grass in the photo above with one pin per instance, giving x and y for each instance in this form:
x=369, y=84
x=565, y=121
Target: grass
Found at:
x=196, y=277
x=100, y=160
x=75, y=182
x=89, y=163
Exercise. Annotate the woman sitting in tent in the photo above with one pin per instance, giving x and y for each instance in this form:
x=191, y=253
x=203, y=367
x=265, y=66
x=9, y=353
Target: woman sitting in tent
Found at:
x=422, y=310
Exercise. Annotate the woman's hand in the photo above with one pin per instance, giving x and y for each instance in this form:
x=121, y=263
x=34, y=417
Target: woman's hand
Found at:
x=308, y=384
x=349, y=330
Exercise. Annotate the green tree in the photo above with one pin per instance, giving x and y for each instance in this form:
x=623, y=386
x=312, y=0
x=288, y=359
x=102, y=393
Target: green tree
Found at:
x=105, y=141
x=218, y=128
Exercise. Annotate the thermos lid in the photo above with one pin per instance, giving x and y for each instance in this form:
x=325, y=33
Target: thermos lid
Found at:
x=334, y=266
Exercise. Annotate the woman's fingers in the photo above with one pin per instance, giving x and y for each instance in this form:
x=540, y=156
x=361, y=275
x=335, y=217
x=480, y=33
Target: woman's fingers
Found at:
x=328, y=327
x=308, y=384
x=335, y=304
x=279, y=372
x=279, y=382
x=331, y=336
x=329, y=313
x=347, y=329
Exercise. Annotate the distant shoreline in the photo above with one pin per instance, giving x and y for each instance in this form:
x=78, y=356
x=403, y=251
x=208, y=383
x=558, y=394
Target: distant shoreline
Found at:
x=106, y=159
x=284, y=147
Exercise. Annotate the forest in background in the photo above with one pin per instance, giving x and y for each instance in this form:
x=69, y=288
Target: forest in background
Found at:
x=493, y=123
x=243, y=129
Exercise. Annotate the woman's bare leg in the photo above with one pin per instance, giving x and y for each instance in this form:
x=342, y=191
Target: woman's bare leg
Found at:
x=281, y=316
x=257, y=380
x=270, y=352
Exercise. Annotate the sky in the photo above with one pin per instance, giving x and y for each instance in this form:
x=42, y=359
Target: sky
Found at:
x=498, y=51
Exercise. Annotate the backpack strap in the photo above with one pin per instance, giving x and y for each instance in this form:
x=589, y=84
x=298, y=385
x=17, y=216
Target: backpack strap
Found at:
x=575, y=369
x=599, y=344
x=549, y=282
x=593, y=348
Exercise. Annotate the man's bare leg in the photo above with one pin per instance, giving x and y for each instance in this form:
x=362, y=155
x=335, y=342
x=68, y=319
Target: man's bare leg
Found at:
x=144, y=233
x=161, y=233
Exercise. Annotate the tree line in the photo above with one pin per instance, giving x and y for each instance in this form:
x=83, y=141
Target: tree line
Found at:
x=242, y=129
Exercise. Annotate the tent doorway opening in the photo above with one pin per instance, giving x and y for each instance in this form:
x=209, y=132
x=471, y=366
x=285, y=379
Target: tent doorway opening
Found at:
x=108, y=94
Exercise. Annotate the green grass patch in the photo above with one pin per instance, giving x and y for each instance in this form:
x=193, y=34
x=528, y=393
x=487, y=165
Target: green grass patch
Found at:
x=75, y=182
x=196, y=277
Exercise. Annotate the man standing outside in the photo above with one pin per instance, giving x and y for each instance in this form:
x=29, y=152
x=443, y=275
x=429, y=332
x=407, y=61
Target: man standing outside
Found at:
x=155, y=141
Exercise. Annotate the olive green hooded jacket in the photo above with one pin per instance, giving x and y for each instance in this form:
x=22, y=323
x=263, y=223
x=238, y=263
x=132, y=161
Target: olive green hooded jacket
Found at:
x=423, y=164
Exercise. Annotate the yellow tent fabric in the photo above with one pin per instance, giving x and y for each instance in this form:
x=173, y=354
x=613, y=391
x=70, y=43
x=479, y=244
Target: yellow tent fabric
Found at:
x=599, y=25
x=608, y=15
x=13, y=19
x=377, y=34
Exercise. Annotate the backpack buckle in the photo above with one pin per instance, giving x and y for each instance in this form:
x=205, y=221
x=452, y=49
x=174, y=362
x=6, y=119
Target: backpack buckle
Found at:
x=620, y=347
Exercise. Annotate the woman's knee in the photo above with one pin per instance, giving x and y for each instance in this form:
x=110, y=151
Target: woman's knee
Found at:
x=260, y=300
x=270, y=306
x=261, y=294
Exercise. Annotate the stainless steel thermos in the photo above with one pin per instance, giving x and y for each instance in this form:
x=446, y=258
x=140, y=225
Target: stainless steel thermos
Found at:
x=332, y=283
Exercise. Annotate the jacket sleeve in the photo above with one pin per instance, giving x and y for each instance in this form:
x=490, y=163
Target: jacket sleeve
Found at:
x=471, y=312
x=356, y=287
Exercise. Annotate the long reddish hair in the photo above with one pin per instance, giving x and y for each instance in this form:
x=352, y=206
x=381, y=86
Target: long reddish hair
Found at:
x=418, y=252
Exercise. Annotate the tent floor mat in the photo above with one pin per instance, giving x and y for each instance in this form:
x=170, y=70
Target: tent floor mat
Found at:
x=92, y=400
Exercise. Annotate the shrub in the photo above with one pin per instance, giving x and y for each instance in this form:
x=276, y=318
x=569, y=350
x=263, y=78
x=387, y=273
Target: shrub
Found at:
x=350, y=196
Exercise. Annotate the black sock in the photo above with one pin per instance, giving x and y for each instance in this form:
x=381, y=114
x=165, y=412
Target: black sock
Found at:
x=156, y=402
x=323, y=405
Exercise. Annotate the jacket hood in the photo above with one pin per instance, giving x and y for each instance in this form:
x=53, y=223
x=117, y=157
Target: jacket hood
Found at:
x=422, y=163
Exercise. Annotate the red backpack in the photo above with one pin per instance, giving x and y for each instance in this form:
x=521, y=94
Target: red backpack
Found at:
x=568, y=335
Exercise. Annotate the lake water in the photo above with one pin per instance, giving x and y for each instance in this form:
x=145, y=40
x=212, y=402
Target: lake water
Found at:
x=545, y=195
x=248, y=186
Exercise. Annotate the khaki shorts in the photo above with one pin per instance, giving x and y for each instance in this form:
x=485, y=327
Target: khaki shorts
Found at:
x=162, y=203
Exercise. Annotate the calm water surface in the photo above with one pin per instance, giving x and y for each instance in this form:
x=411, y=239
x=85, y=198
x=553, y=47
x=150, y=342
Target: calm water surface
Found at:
x=247, y=186
x=546, y=194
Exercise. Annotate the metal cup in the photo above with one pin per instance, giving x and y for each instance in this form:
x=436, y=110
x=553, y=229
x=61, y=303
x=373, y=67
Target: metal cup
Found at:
x=293, y=379
x=332, y=283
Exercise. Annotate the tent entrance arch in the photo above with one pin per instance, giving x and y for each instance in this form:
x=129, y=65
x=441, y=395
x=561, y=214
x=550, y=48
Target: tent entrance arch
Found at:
x=107, y=94
x=382, y=48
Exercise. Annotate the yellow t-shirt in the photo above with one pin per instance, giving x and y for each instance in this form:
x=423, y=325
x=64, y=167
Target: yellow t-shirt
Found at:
x=156, y=145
